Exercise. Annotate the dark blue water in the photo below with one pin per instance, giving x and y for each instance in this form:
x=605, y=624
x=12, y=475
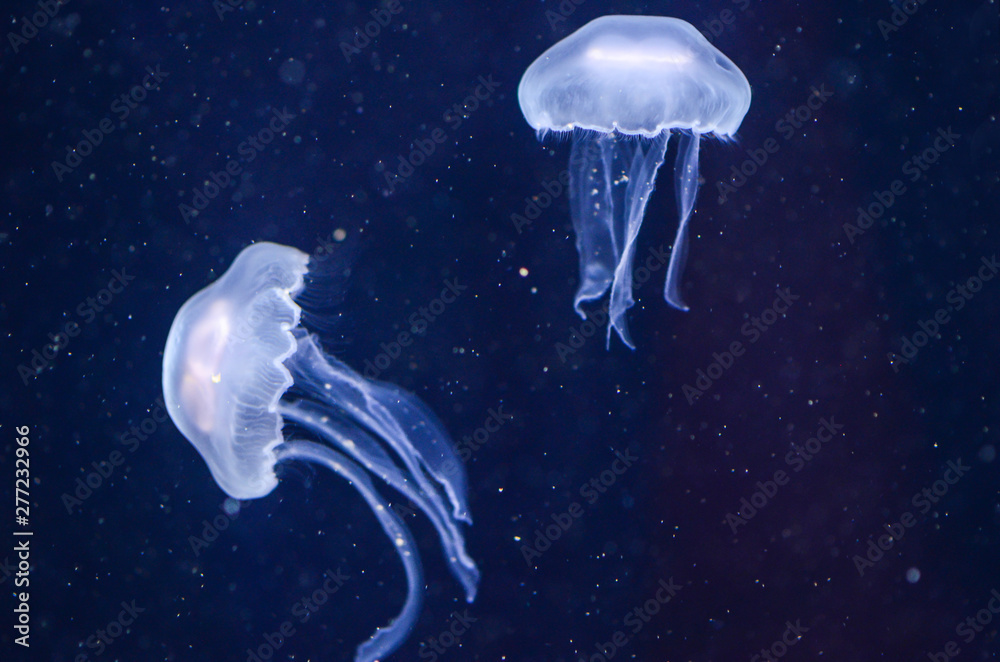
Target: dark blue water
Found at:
x=871, y=331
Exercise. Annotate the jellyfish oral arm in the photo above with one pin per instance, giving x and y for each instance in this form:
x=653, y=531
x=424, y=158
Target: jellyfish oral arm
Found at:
x=364, y=449
x=641, y=159
x=403, y=425
x=592, y=210
x=686, y=186
x=388, y=638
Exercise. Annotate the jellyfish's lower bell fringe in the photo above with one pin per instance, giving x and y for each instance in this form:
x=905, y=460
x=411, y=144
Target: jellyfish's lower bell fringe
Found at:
x=611, y=180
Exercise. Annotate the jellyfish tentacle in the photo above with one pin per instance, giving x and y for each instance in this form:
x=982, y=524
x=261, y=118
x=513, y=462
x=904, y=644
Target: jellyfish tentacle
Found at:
x=415, y=437
x=363, y=448
x=591, y=209
x=686, y=187
x=388, y=638
x=640, y=170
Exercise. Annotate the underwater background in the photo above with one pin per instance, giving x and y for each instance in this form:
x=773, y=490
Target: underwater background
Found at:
x=658, y=504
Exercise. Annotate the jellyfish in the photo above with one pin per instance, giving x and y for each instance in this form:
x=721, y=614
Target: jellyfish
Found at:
x=620, y=85
x=237, y=348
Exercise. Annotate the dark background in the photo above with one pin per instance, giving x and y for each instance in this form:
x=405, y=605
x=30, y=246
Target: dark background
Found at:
x=496, y=345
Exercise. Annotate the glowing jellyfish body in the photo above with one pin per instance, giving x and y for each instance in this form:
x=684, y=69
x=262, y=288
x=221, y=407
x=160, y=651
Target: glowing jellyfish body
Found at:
x=234, y=349
x=622, y=84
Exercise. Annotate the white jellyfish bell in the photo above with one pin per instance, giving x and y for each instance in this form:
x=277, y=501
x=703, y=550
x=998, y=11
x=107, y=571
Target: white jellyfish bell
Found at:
x=621, y=84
